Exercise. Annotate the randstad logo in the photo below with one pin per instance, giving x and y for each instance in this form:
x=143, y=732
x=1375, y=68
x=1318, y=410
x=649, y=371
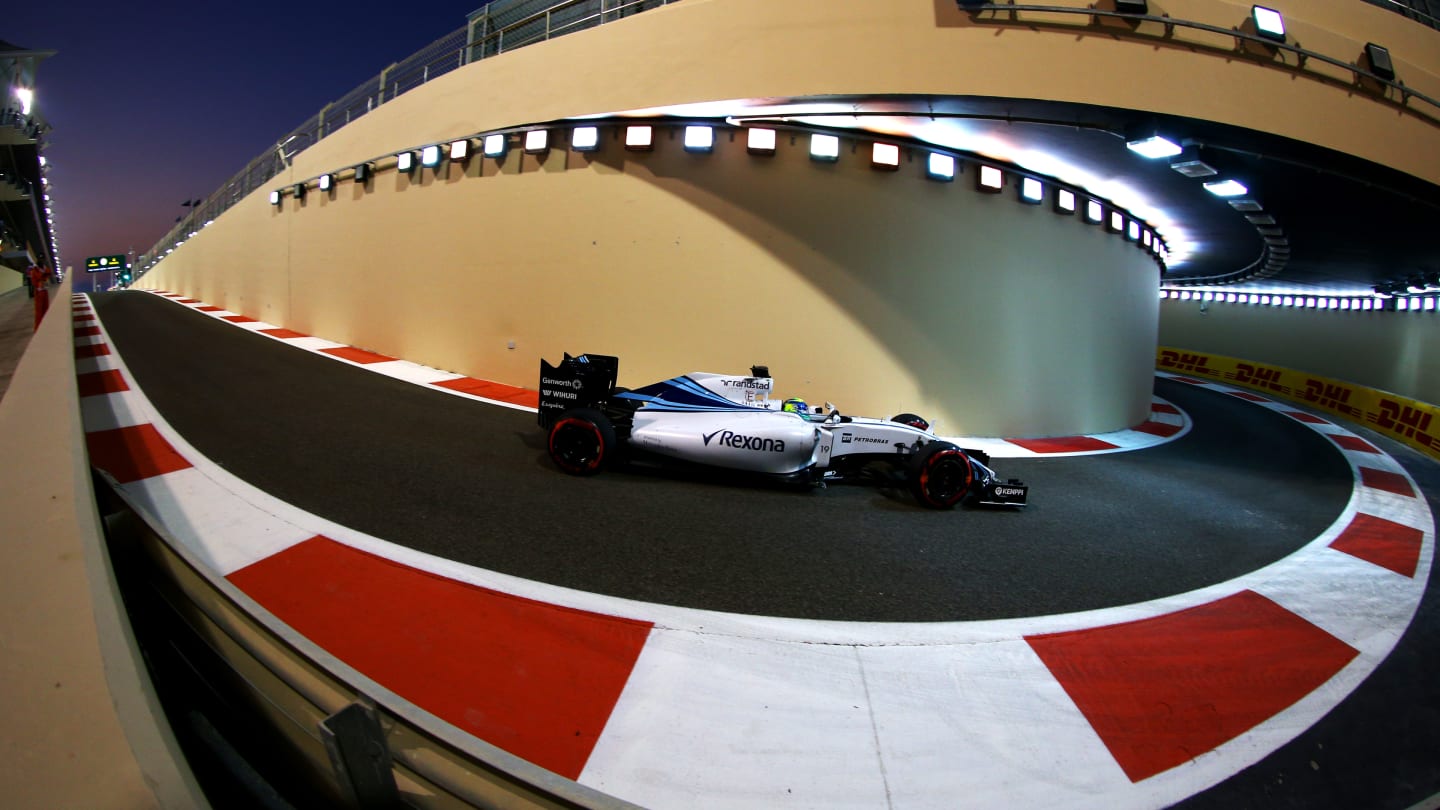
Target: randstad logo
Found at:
x=729, y=438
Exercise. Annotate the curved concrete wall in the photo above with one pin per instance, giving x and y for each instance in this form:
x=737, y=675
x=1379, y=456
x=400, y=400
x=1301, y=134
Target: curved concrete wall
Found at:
x=880, y=292
x=1398, y=352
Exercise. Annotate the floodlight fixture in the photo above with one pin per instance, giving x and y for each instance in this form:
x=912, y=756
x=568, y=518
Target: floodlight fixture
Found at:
x=537, y=141
x=585, y=139
x=362, y=173
x=275, y=197
x=1132, y=231
x=495, y=145
x=640, y=138
x=430, y=156
x=326, y=182
x=1032, y=191
x=299, y=191
x=1429, y=304
x=1146, y=238
x=1116, y=223
x=405, y=162
x=27, y=99
x=460, y=150
x=1268, y=23
x=699, y=138
x=940, y=167
x=885, y=156
x=1094, y=211
x=760, y=141
x=1226, y=188
x=1380, y=63
x=824, y=147
x=989, y=179
x=1154, y=147
x=1064, y=201
x=1132, y=6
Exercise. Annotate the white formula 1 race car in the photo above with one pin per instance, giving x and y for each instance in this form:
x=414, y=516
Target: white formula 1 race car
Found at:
x=729, y=422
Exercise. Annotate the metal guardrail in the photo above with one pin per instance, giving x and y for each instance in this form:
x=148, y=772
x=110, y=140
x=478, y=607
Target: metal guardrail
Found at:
x=1303, y=55
x=503, y=25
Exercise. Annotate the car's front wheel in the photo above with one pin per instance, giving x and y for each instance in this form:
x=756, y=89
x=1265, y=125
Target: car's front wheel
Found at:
x=940, y=475
x=581, y=441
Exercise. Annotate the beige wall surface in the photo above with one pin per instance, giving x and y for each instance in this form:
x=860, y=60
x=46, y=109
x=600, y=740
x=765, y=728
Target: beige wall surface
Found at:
x=880, y=292
x=10, y=280
x=1397, y=352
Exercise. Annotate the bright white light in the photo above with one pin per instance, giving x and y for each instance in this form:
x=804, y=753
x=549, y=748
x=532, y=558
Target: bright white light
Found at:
x=1093, y=211
x=1429, y=304
x=1185, y=296
x=27, y=99
x=583, y=139
x=1345, y=305
x=759, y=139
x=1289, y=301
x=1401, y=305
x=1132, y=231
x=494, y=145
x=1032, y=189
x=941, y=167
x=1209, y=296
x=1265, y=299
x=537, y=140
x=274, y=198
x=640, y=136
x=1226, y=188
x=824, y=147
x=43, y=162
x=991, y=178
x=460, y=150
x=1065, y=200
x=1146, y=238
x=327, y=182
x=1154, y=147
x=405, y=162
x=1310, y=302
x=885, y=154
x=1117, y=221
x=1268, y=21
x=430, y=156
x=699, y=138
x=1231, y=298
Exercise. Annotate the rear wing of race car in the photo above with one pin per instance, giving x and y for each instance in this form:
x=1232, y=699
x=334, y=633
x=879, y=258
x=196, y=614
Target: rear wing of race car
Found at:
x=578, y=382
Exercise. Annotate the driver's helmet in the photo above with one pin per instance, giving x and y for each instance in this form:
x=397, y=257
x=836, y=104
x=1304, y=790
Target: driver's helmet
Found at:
x=795, y=405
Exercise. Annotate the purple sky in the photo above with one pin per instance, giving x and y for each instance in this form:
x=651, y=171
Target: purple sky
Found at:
x=154, y=103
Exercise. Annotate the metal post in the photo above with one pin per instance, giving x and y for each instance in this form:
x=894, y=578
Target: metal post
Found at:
x=356, y=744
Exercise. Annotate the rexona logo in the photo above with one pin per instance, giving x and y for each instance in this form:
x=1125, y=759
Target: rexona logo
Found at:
x=729, y=438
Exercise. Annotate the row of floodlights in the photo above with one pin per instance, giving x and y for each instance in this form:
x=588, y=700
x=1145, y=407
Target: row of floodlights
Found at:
x=1355, y=304
x=824, y=148
x=1270, y=24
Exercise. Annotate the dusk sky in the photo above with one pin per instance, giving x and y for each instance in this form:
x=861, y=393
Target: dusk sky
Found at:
x=155, y=103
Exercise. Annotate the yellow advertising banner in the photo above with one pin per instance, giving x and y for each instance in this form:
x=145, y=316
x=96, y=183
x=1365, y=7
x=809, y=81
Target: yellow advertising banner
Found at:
x=1415, y=423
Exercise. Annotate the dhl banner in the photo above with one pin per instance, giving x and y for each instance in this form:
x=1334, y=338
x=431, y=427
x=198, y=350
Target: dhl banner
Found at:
x=1410, y=421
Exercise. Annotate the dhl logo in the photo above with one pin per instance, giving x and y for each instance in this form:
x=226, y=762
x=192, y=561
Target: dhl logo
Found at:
x=1190, y=363
x=1403, y=420
x=1258, y=377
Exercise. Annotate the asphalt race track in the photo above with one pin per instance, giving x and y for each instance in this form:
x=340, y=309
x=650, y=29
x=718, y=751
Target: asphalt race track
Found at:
x=471, y=482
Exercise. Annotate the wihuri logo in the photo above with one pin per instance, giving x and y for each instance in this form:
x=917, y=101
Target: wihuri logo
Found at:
x=729, y=438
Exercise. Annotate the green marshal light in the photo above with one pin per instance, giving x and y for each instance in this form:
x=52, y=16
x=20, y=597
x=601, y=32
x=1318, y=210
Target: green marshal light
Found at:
x=105, y=264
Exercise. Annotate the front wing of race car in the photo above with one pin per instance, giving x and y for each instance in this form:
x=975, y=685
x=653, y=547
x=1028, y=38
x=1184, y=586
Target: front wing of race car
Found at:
x=1003, y=493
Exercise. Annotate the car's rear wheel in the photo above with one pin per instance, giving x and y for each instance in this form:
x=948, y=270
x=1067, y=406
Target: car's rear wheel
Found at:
x=581, y=441
x=940, y=475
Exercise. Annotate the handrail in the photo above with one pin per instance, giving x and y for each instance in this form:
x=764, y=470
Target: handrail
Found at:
x=1171, y=23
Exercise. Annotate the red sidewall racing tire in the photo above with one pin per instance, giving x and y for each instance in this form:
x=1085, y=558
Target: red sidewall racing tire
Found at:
x=581, y=441
x=941, y=475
